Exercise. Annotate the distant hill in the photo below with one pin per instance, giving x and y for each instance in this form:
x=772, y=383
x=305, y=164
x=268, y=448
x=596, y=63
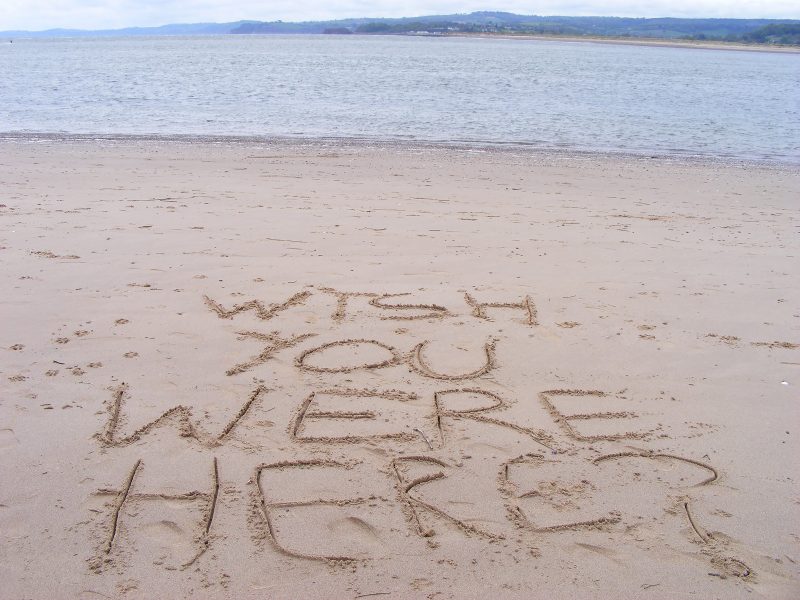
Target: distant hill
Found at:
x=502, y=22
x=174, y=29
x=772, y=31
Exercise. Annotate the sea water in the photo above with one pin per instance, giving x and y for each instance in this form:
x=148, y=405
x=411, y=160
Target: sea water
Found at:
x=541, y=94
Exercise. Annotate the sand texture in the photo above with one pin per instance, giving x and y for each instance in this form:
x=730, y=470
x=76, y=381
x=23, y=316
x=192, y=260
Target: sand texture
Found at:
x=326, y=371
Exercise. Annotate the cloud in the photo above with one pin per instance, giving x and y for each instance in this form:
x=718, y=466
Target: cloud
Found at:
x=103, y=14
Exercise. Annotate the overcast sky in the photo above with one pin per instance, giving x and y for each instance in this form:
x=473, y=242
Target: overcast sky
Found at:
x=103, y=14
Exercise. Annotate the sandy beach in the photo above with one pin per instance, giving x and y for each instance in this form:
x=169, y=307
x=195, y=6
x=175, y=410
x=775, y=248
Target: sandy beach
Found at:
x=641, y=41
x=325, y=370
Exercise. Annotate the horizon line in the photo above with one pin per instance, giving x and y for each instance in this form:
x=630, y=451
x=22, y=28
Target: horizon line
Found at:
x=339, y=19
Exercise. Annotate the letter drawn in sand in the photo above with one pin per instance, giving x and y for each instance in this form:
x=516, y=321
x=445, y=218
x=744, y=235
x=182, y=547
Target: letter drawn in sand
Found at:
x=274, y=342
x=565, y=421
x=305, y=415
x=393, y=359
x=495, y=403
x=180, y=416
x=415, y=506
x=267, y=508
x=518, y=516
x=526, y=305
x=126, y=496
x=418, y=364
x=431, y=311
x=265, y=313
x=342, y=298
x=715, y=547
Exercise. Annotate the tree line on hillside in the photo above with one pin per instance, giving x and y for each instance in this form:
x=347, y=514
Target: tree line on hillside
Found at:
x=762, y=31
x=776, y=33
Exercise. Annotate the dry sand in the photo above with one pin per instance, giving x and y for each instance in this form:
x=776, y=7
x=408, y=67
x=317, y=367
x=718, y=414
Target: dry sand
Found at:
x=328, y=371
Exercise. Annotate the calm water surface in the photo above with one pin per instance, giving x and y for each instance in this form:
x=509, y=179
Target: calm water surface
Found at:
x=547, y=94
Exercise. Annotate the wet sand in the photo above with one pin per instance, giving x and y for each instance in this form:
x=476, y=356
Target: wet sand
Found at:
x=654, y=42
x=310, y=370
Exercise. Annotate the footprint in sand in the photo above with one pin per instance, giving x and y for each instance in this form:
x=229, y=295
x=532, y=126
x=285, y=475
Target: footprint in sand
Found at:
x=8, y=439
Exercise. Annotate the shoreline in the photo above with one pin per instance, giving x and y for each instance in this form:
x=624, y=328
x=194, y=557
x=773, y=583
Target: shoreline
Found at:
x=655, y=42
x=632, y=41
x=401, y=144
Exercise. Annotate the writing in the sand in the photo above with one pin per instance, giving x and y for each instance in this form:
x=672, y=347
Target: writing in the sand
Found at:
x=393, y=448
x=386, y=305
